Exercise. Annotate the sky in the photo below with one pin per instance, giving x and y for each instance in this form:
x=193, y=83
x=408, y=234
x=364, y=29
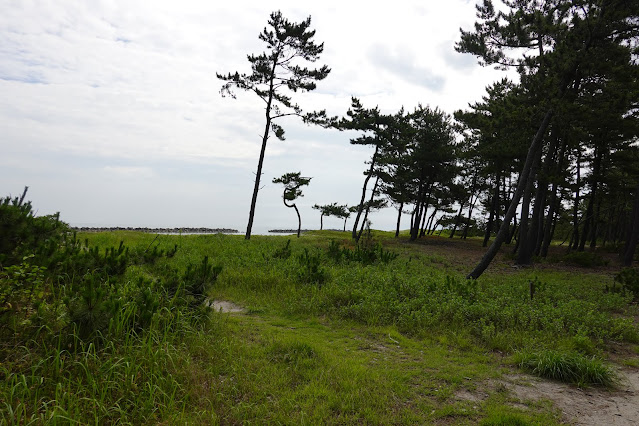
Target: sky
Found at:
x=111, y=113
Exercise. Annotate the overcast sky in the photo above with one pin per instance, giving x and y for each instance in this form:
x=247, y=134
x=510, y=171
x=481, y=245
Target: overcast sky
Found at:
x=110, y=111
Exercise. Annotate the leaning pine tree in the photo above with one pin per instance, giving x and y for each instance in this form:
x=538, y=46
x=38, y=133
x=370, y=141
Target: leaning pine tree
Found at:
x=292, y=183
x=274, y=72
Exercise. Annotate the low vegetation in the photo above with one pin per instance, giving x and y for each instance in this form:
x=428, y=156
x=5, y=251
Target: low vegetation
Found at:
x=114, y=328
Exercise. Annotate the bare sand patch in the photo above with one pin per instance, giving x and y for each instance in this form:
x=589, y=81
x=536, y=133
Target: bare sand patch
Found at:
x=225, y=306
x=587, y=407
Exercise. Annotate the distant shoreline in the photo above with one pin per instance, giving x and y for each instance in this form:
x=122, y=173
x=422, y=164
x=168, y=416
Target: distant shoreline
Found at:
x=185, y=230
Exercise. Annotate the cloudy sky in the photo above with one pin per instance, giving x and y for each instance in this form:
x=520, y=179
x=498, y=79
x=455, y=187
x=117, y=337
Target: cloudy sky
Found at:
x=110, y=111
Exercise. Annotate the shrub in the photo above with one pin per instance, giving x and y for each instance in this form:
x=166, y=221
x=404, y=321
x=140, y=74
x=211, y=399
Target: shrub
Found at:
x=366, y=253
x=629, y=280
x=585, y=259
x=283, y=252
x=311, y=270
x=23, y=234
x=22, y=293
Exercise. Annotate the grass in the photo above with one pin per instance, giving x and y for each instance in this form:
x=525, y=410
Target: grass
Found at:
x=567, y=367
x=329, y=339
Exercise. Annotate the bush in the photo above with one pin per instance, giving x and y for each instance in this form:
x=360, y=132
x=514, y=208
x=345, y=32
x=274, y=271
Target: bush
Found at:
x=22, y=293
x=366, y=253
x=629, y=280
x=585, y=259
x=283, y=252
x=60, y=282
x=311, y=270
x=23, y=234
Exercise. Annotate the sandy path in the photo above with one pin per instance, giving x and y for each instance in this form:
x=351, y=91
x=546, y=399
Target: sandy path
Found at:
x=590, y=406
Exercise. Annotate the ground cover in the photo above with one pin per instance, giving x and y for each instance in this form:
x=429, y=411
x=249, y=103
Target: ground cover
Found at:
x=334, y=333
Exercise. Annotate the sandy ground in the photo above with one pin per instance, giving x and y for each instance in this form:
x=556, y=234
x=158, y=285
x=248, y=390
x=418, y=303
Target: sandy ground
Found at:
x=224, y=306
x=591, y=406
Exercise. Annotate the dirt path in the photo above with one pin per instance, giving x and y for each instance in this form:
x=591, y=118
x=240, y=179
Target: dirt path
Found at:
x=584, y=406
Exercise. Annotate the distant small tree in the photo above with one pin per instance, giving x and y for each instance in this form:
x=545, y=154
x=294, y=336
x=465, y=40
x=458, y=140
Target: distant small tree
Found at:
x=331, y=210
x=274, y=71
x=292, y=183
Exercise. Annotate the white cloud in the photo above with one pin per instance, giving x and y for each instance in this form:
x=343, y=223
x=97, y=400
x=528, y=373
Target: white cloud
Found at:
x=128, y=88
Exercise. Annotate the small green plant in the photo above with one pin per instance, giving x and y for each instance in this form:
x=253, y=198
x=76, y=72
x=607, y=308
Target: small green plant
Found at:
x=311, y=270
x=335, y=251
x=283, y=252
x=198, y=279
x=573, y=368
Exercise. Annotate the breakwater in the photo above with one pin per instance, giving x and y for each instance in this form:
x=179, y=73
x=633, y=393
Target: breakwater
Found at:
x=157, y=230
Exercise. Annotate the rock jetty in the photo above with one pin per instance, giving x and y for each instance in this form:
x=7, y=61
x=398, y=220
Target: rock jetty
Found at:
x=157, y=230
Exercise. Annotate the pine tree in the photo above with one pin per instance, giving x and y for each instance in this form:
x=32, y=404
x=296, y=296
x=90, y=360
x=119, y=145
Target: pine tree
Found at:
x=292, y=183
x=273, y=73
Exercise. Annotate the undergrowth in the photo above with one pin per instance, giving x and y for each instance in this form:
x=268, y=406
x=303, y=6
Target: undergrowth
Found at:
x=90, y=330
x=104, y=328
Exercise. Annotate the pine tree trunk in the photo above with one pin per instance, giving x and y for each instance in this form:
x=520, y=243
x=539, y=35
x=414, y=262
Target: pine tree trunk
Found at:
x=399, y=219
x=471, y=207
x=361, y=202
x=512, y=233
x=368, y=208
x=574, y=240
x=589, y=224
x=553, y=204
x=431, y=219
x=536, y=232
x=523, y=180
x=591, y=203
x=491, y=217
x=595, y=222
x=633, y=233
x=416, y=217
x=457, y=220
x=258, y=175
x=260, y=162
x=422, y=230
x=524, y=243
x=299, y=221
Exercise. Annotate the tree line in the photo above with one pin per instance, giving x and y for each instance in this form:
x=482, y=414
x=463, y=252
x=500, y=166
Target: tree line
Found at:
x=551, y=156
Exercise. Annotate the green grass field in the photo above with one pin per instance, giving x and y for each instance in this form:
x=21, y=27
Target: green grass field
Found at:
x=333, y=335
